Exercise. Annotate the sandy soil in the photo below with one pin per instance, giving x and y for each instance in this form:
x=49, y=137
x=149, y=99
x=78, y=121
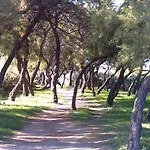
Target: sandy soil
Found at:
x=53, y=129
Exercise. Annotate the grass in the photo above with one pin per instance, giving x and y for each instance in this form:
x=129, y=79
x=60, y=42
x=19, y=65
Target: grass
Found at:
x=115, y=120
x=82, y=115
x=14, y=114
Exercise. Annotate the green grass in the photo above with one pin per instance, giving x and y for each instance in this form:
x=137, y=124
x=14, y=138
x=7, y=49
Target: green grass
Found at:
x=14, y=114
x=114, y=121
x=12, y=118
x=82, y=115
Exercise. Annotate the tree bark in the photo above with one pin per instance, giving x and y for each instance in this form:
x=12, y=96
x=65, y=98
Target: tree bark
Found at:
x=103, y=58
x=106, y=82
x=35, y=73
x=131, y=87
x=148, y=114
x=83, y=87
x=62, y=85
x=137, y=116
x=136, y=85
x=57, y=57
x=15, y=90
x=17, y=46
x=115, y=88
x=92, y=81
x=70, y=78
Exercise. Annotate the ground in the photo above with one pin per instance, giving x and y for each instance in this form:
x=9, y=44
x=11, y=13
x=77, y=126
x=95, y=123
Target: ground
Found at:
x=54, y=129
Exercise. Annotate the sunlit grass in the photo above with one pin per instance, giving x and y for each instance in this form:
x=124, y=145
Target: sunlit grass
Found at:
x=82, y=114
x=14, y=114
x=116, y=120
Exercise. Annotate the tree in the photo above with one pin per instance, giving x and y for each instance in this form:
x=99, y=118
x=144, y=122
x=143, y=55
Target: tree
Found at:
x=137, y=116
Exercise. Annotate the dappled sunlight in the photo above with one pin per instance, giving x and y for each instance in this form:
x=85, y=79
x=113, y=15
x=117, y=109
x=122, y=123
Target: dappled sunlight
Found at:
x=146, y=125
x=114, y=121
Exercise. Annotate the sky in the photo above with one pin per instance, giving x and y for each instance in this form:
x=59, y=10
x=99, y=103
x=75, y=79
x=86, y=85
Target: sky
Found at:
x=118, y=2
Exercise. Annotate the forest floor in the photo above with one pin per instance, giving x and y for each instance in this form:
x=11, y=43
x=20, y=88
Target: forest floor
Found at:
x=55, y=129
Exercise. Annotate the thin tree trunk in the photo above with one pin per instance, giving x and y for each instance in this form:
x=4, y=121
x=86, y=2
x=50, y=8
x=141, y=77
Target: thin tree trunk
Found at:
x=115, y=88
x=62, y=85
x=106, y=82
x=92, y=81
x=25, y=90
x=89, y=81
x=15, y=90
x=57, y=57
x=18, y=46
x=148, y=114
x=136, y=86
x=131, y=87
x=79, y=77
x=35, y=73
x=83, y=87
x=137, y=116
x=70, y=78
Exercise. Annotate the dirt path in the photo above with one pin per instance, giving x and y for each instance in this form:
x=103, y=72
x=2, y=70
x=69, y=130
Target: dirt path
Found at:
x=54, y=130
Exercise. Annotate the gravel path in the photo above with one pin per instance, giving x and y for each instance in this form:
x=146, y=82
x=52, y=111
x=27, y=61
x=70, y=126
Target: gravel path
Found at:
x=53, y=129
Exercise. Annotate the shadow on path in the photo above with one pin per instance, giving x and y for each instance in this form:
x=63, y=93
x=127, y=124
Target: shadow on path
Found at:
x=54, y=129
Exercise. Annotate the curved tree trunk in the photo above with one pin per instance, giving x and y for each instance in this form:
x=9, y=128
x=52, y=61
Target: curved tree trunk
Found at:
x=115, y=88
x=57, y=56
x=62, y=85
x=79, y=77
x=137, y=116
x=18, y=46
x=131, y=87
x=15, y=90
x=70, y=78
x=35, y=73
x=136, y=86
x=83, y=87
x=106, y=82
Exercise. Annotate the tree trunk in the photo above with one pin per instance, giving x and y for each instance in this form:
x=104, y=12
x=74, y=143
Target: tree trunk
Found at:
x=136, y=86
x=92, y=81
x=106, y=82
x=131, y=87
x=25, y=90
x=62, y=85
x=70, y=78
x=35, y=73
x=89, y=81
x=148, y=114
x=15, y=90
x=17, y=47
x=137, y=116
x=79, y=77
x=83, y=87
x=57, y=57
x=115, y=88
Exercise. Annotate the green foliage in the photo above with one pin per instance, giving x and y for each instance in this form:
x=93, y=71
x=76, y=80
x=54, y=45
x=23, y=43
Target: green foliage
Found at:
x=104, y=24
x=9, y=19
x=134, y=33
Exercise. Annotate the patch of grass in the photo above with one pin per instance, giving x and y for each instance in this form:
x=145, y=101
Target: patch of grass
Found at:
x=82, y=114
x=12, y=118
x=114, y=121
x=14, y=114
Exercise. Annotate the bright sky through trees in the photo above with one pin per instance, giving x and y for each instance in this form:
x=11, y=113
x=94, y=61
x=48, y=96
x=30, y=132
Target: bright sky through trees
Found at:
x=118, y=2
